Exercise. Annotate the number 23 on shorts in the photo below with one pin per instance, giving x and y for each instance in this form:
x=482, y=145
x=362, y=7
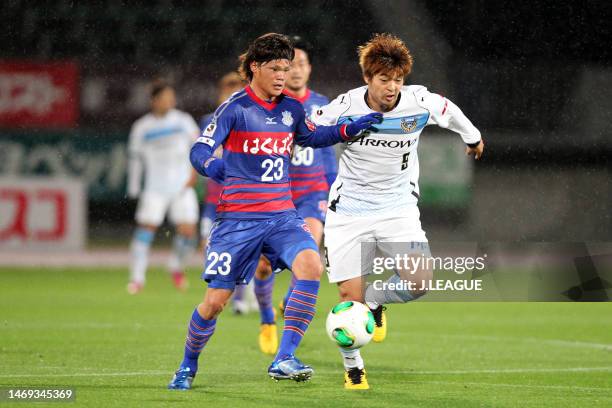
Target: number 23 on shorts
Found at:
x=218, y=263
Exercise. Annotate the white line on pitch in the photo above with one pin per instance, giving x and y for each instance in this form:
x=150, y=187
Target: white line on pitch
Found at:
x=127, y=374
x=139, y=326
x=326, y=372
x=554, y=342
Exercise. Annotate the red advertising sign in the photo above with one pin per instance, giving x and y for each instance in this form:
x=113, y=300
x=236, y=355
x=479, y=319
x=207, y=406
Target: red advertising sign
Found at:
x=39, y=94
x=42, y=213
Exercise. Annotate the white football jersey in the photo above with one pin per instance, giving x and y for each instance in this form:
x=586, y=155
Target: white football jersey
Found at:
x=379, y=172
x=162, y=146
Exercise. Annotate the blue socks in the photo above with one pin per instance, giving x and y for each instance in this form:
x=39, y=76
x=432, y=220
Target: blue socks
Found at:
x=199, y=332
x=291, y=286
x=299, y=311
x=263, y=293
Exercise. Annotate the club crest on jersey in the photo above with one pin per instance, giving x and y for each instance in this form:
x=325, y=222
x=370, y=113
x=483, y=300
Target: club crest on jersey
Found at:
x=408, y=124
x=287, y=118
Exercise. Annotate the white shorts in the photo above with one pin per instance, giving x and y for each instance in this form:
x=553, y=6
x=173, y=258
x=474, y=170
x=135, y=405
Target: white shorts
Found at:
x=182, y=208
x=344, y=235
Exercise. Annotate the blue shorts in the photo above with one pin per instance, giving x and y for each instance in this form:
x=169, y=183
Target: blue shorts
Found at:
x=235, y=246
x=312, y=206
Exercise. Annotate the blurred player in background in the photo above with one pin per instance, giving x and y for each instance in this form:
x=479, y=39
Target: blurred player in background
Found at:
x=311, y=172
x=159, y=146
x=257, y=128
x=243, y=300
x=374, y=197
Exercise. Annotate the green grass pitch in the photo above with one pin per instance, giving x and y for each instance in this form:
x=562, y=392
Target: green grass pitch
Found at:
x=79, y=328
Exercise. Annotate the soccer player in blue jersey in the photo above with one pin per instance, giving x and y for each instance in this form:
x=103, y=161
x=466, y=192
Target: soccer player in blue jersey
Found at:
x=311, y=172
x=257, y=128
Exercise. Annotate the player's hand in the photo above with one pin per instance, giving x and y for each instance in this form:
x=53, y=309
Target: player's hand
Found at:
x=364, y=123
x=476, y=151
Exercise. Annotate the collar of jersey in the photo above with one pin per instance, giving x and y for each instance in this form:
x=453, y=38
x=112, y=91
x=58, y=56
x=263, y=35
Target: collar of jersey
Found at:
x=265, y=104
x=365, y=101
x=294, y=96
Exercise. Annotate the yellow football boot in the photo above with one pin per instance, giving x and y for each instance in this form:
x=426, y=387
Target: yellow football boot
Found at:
x=355, y=379
x=380, y=328
x=268, y=337
x=281, y=307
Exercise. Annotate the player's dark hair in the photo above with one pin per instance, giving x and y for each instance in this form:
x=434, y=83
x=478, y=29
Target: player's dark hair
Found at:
x=158, y=85
x=268, y=47
x=302, y=44
x=384, y=53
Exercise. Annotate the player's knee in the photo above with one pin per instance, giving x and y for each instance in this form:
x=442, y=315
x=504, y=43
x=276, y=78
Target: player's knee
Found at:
x=423, y=279
x=211, y=308
x=347, y=293
x=307, y=265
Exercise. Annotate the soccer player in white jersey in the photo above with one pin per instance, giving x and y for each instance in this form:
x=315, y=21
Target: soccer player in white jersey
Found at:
x=374, y=198
x=159, y=146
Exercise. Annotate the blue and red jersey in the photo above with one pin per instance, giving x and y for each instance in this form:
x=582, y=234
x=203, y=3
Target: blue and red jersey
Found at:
x=258, y=138
x=312, y=170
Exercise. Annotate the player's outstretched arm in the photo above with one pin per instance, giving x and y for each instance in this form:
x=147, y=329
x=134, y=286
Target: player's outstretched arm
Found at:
x=310, y=135
x=446, y=114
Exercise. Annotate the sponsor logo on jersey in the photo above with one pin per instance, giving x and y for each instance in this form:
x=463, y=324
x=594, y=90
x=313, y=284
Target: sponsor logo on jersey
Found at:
x=392, y=144
x=287, y=118
x=408, y=124
x=271, y=121
x=210, y=129
x=268, y=145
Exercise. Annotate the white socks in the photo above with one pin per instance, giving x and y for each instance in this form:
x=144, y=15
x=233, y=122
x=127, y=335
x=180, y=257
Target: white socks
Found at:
x=352, y=359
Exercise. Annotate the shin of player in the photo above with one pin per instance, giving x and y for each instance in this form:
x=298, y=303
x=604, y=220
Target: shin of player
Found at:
x=373, y=202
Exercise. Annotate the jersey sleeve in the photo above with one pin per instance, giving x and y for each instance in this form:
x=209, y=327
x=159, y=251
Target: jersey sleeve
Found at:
x=307, y=133
x=329, y=114
x=446, y=114
x=135, y=161
x=214, y=134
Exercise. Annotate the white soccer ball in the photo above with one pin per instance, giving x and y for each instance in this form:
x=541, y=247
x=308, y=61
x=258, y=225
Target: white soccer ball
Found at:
x=350, y=325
